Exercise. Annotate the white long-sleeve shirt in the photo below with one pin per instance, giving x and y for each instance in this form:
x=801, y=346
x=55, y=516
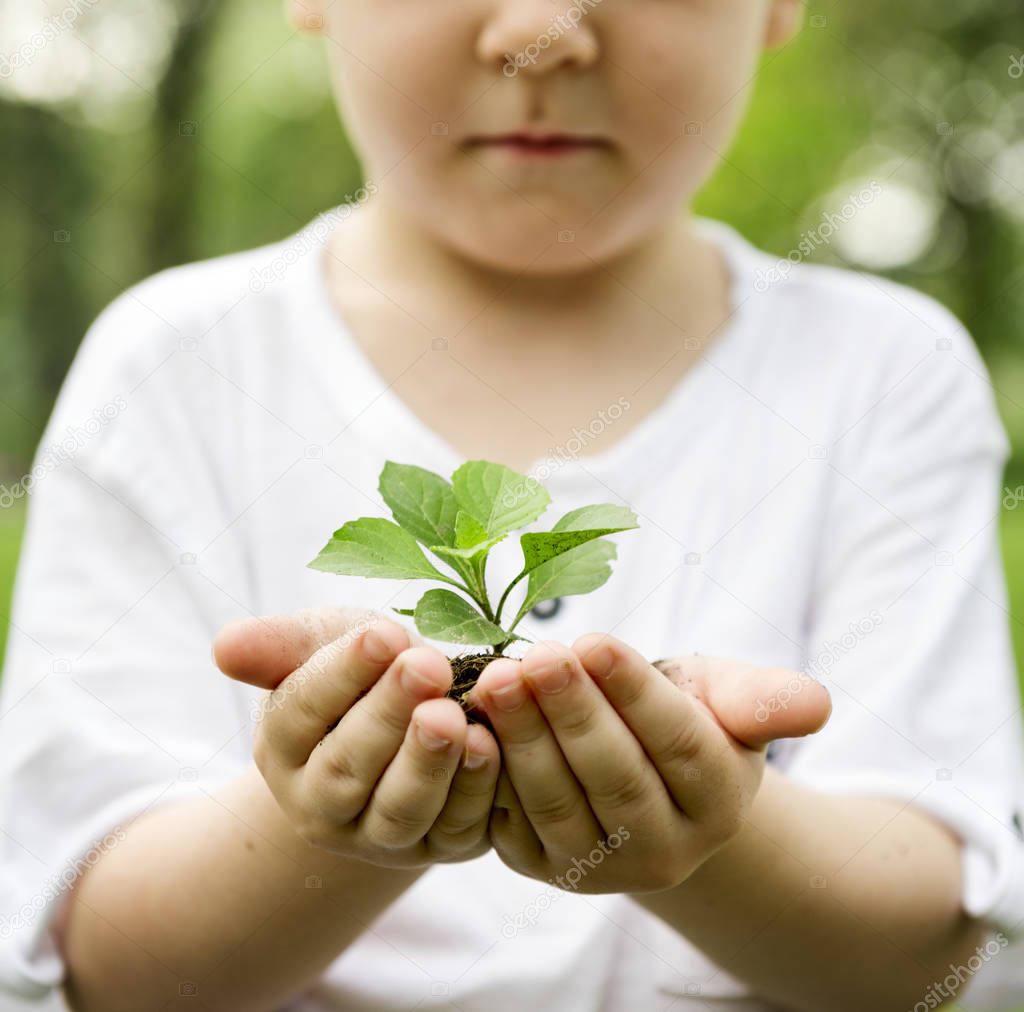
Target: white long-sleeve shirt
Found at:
x=820, y=492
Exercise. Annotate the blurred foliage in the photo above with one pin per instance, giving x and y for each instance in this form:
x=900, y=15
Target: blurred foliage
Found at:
x=12, y=523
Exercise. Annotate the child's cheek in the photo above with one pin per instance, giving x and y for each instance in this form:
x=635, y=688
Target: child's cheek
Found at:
x=415, y=66
x=685, y=70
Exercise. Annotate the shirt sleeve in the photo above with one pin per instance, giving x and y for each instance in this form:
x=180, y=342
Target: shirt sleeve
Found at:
x=111, y=704
x=909, y=626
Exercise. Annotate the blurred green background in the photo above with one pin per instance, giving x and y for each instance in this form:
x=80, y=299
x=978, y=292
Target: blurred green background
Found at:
x=141, y=136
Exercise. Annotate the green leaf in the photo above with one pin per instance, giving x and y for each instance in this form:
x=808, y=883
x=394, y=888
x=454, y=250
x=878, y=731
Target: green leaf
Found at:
x=577, y=571
x=605, y=514
x=442, y=615
x=468, y=553
x=468, y=532
x=498, y=498
x=420, y=501
x=405, y=611
x=575, y=528
x=373, y=546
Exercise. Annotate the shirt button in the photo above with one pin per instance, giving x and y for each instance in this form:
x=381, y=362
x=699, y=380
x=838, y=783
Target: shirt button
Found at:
x=547, y=609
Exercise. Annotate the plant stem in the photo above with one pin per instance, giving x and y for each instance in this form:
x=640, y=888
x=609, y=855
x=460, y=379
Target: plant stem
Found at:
x=519, y=617
x=469, y=574
x=479, y=593
x=501, y=603
x=461, y=586
x=481, y=582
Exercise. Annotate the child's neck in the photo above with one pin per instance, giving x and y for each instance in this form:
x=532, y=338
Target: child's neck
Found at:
x=398, y=257
x=621, y=329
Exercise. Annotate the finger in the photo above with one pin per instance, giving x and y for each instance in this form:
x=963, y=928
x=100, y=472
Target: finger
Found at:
x=465, y=815
x=511, y=833
x=551, y=797
x=620, y=781
x=414, y=787
x=754, y=704
x=264, y=650
x=355, y=754
x=676, y=730
x=298, y=713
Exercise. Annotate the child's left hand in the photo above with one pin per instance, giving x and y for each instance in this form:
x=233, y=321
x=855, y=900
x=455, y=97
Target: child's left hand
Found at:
x=630, y=777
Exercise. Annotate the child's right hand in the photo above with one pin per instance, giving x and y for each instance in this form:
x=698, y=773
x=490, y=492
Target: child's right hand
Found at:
x=373, y=788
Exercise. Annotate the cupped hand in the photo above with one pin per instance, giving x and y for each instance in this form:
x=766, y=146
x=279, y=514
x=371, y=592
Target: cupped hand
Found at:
x=616, y=778
x=356, y=740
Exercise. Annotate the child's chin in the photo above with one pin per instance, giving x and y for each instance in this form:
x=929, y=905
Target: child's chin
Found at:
x=527, y=251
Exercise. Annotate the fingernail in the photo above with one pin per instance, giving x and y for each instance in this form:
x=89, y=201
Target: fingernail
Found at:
x=376, y=646
x=474, y=762
x=553, y=676
x=431, y=741
x=600, y=661
x=508, y=697
x=415, y=682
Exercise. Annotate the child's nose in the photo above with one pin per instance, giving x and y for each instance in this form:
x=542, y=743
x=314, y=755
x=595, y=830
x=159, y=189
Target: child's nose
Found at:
x=536, y=36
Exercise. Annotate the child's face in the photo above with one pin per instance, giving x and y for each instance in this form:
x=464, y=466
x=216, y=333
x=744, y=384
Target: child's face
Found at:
x=660, y=85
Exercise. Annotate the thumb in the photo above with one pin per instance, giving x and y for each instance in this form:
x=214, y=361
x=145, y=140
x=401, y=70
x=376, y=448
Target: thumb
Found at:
x=265, y=649
x=756, y=704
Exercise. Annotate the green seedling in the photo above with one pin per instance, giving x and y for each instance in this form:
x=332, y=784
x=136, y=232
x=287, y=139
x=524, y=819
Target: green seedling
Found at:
x=459, y=522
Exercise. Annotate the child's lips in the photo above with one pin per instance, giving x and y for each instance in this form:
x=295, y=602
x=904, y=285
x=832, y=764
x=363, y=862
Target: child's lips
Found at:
x=540, y=145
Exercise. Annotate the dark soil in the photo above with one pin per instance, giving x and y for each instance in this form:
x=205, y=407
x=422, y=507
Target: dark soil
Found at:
x=466, y=669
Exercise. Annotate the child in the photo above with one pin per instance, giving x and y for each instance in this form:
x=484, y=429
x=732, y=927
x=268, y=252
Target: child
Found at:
x=815, y=464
